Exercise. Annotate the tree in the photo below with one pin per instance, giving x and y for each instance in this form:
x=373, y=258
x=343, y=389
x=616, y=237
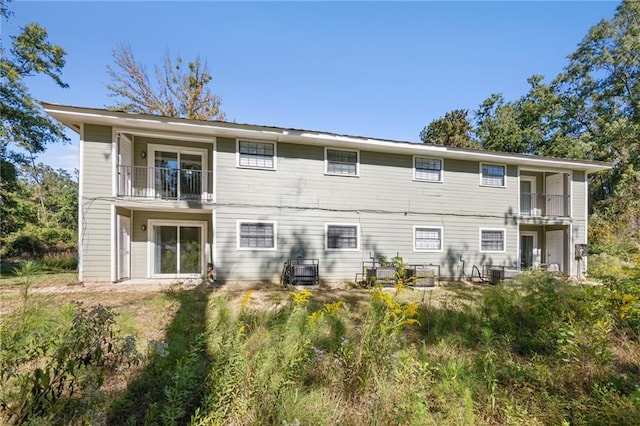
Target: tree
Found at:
x=454, y=129
x=24, y=130
x=177, y=91
x=22, y=122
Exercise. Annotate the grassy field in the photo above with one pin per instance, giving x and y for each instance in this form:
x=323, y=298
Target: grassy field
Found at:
x=536, y=351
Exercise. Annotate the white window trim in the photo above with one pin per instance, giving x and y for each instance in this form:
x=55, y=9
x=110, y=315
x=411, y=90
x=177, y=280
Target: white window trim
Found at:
x=203, y=152
x=416, y=227
x=275, y=154
x=504, y=240
x=275, y=235
x=415, y=178
x=494, y=164
x=326, y=161
x=178, y=223
x=326, y=236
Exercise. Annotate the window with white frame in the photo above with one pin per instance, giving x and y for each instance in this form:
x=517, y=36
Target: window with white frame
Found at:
x=492, y=240
x=175, y=172
x=257, y=235
x=428, y=169
x=259, y=155
x=341, y=162
x=493, y=174
x=177, y=248
x=427, y=238
x=342, y=237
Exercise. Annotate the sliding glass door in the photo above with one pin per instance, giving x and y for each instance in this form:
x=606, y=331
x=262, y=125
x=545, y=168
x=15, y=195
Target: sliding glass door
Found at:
x=177, y=249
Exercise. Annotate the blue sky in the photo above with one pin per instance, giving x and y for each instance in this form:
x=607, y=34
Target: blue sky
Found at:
x=377, y=69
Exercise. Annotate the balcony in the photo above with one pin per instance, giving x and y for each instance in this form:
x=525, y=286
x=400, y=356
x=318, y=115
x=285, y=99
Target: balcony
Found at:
x=165, y=183
x=544, y=205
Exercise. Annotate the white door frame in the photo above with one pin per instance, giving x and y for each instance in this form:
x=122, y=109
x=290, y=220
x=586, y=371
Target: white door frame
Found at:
x=534, y=210
x=536, y=250
x=554, y=185
x=125, y=157
x=560, y=260
x=124, y=247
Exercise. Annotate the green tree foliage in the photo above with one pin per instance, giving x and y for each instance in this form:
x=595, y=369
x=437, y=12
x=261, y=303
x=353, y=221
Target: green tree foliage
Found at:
x=40, y=212
x=590, y=111
x=454, y=129
x=177, y=91
x=23, y=124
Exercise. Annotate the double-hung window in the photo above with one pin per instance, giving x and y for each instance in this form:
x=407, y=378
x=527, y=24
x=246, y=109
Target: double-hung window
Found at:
x=493, y=174
x=342, y=237
x=492, y=240
x=256, y=235
x=257, y=155
x=341, y=162
x=427, y=238
x=429, y=169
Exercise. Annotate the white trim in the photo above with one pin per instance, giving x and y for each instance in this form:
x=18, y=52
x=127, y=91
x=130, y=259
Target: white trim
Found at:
x=275, y=154
x=177, y=223
x=570, y=195
x=214, y=231
x=504, y=240
x=534, y=188
x=69, y=115
x=441, y=180
x=504, y=185
x=166, y=136
x=214, y=172
x=113, y=243
x=326, y=236
x=114, y=163
x=202, y=152
x=536, y=259
x=275, y=235
x=80, y=202
x=440, y=228
x=326, y=161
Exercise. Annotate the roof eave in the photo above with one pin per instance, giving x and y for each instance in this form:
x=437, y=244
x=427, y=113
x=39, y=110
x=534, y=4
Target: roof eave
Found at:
x=72, y=117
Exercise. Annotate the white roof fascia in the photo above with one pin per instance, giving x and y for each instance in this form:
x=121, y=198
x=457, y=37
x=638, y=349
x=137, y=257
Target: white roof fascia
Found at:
x=71, y=115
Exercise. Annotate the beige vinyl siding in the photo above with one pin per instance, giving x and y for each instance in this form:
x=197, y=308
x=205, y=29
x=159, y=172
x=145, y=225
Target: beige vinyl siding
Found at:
x=95, y=223
x=139, y=237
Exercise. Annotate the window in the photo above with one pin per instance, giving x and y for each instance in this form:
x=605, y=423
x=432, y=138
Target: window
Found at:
x=428, y=169
x=339, y=162
x=176, y=249
x=175, y=173
x=492, y=240
x=257, y=155
x=257, y=235
x=342, y=237
x=427, y=238
x=493, y=174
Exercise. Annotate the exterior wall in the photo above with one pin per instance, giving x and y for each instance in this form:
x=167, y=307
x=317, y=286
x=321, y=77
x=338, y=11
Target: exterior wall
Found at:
x=301, y=233
x=139, y=237
x=384, y=201
x=96, y=211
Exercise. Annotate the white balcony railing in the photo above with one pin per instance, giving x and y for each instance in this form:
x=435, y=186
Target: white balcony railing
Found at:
x=544, y=205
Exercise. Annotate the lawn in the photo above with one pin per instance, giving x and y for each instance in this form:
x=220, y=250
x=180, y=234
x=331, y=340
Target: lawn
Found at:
x=540, y=351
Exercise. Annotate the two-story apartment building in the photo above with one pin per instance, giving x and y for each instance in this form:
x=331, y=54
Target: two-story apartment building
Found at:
x=164, y=197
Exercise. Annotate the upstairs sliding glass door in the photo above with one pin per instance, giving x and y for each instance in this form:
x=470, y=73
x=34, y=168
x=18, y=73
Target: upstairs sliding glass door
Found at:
x=178, y=175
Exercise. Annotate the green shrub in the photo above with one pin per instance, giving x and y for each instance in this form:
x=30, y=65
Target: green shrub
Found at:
x=35, y=241
x=53, y=360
